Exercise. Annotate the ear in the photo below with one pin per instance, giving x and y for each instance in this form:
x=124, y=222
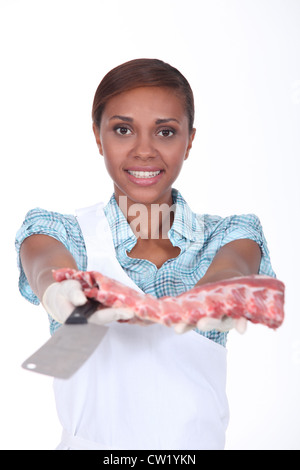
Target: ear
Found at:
x=96, y=131
x=190, y=143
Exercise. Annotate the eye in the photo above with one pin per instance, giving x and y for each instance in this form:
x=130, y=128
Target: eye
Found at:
x=166, y=132
x=122, y=130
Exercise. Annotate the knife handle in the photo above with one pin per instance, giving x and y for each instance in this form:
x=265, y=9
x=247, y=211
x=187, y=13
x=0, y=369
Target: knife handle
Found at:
x=80, y=314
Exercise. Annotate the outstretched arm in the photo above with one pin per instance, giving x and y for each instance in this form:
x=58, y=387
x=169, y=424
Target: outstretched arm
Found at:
x=236, y=258
x=40, y=254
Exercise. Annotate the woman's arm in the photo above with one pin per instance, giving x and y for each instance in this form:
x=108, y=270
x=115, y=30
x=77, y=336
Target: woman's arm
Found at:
x=40, y=254
x=236, y=258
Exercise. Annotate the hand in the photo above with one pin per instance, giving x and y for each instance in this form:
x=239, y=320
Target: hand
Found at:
x=209, y=323
x=107, y=315
x=60, y=299
x=143, y=308
x=112, y=296
x=223, y=324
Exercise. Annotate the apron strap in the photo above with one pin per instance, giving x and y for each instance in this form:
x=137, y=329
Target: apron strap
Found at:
x=98, y=241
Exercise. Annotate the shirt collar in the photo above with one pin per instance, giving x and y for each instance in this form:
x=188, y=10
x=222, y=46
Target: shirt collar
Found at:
x=120, y=228
x=186, y=224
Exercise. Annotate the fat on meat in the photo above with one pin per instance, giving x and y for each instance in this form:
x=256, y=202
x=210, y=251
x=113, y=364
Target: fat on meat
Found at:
x=257, y=298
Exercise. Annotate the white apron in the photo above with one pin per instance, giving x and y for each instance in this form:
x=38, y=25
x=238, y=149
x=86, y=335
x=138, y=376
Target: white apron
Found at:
x=143, y=387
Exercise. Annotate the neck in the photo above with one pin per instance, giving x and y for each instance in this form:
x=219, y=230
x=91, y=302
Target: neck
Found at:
x=148, y=221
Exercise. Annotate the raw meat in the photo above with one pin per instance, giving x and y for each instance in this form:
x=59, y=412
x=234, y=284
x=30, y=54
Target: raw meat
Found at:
x=258, y=298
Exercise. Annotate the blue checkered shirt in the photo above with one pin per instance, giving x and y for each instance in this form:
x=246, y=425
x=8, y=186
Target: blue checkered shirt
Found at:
x=199, y=237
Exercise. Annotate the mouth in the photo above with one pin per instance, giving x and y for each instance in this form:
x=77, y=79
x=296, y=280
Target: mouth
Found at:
x=144, y=176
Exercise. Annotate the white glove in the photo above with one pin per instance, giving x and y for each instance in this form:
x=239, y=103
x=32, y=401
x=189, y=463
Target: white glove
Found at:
x=60, y=299
x=110, y=314
x=182, y=328
x=223, y=324
x=208, y=323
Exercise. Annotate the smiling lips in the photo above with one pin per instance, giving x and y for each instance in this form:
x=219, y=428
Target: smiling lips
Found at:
x=145, y=176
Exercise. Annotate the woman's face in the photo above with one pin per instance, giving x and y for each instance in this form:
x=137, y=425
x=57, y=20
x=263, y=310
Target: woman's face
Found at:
x=144, y=138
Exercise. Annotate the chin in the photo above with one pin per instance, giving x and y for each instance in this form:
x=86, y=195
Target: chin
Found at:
x=149, y=196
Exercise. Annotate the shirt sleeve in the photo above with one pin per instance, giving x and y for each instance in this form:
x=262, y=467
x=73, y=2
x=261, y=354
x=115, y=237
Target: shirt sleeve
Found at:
x=63, y=228
x=248, y=226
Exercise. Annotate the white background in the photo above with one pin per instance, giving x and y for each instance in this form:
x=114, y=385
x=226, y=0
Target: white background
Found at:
x=242, y=59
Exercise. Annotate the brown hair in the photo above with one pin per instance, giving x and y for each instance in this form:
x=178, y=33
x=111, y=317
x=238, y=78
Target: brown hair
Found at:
x=139, y=73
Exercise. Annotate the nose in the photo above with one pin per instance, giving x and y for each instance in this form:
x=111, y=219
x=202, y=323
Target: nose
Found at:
x=144, y=148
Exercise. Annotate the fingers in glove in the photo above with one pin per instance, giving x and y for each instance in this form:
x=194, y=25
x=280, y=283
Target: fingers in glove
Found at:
x=226, y=323
x=181, y=328
x=60, y=299
x=63, y=310
x=139, y=321
x=72, y=291
x=223, y=324
x=108, y=315
x=208, y=323
x=241, y=325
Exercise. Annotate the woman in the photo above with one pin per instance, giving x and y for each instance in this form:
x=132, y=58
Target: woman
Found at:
x=143, y=388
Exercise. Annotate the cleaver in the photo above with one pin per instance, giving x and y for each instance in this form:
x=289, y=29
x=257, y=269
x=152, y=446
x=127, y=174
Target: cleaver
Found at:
x=70, y=346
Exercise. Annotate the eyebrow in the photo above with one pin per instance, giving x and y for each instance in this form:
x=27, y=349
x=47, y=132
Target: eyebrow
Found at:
x=129, y=119
x=122, y=118
x=163, y=121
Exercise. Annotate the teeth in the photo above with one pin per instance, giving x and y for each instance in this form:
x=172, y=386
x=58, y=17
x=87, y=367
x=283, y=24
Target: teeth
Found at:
x=144, y=174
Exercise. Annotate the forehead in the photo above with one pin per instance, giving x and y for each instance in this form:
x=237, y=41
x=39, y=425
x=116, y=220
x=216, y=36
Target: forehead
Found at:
x=159, y=101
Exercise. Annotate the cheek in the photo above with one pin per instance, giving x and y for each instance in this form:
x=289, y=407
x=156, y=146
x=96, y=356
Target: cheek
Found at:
x=113, y=158
x=177, y=153
x=112, y=148
x=111, y=165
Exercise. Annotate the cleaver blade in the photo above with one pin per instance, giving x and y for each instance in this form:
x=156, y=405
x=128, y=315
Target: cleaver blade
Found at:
x=70, y=346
